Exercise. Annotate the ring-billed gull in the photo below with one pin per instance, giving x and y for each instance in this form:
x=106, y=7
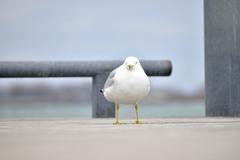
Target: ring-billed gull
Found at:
x=127, y=84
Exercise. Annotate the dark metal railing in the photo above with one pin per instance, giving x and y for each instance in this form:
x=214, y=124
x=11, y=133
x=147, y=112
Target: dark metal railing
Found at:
x=98, y=70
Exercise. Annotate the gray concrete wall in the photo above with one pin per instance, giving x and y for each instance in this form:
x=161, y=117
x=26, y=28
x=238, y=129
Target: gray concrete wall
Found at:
x=222, y=57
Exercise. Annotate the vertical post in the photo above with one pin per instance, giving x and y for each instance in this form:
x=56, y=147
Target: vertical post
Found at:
x=222, y=57
x=101, y=108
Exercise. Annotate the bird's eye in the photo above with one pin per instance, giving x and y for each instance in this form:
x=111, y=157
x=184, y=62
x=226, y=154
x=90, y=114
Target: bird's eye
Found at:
x=136, y=62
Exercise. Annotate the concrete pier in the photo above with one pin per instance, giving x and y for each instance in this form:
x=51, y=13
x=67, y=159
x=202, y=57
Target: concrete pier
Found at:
x=155, y=139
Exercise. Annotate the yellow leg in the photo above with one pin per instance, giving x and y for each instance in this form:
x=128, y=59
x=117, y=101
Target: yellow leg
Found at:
x=116, y=113
x=136, y=109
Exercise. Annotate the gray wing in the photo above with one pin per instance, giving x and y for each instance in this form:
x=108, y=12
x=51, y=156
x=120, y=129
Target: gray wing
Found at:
x=110, y=80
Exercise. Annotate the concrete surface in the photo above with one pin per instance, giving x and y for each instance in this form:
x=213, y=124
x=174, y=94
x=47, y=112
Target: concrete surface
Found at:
x=166, y=139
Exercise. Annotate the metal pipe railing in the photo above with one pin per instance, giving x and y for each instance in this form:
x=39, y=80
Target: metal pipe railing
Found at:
x=98, y=70
x=75, y=68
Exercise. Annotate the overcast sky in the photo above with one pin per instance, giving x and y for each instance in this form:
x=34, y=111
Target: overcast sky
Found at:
x=93, y=29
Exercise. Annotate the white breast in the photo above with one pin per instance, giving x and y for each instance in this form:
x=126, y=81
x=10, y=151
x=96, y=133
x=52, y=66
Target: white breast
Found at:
x=129, y=87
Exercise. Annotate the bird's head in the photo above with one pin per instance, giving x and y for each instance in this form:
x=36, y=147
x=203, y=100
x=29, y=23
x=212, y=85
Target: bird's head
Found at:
x=131, y=62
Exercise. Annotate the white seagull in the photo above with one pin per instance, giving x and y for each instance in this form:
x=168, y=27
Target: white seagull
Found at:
x=127, y=84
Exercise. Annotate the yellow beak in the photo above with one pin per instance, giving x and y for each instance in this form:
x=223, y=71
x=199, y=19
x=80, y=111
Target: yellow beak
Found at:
x=130, y=66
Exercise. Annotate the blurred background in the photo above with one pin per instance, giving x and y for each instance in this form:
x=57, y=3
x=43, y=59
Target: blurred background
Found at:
x=102, y=30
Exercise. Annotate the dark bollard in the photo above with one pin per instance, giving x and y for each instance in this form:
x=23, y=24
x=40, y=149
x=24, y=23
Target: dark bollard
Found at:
x=222, y=57
x=98, y=70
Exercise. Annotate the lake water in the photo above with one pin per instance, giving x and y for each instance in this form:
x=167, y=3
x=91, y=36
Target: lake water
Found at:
x=176, y=109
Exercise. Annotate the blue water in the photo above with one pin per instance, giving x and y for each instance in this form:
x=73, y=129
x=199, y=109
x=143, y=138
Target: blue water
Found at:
x=186, y=109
